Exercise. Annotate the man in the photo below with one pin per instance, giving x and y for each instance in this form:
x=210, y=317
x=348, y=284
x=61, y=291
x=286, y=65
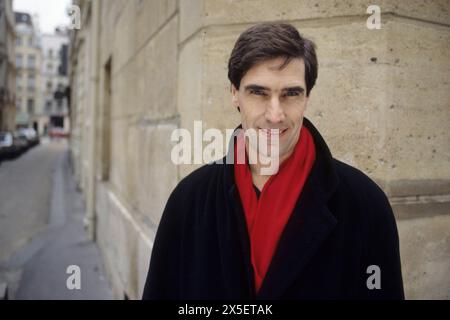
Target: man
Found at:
x=315, y=229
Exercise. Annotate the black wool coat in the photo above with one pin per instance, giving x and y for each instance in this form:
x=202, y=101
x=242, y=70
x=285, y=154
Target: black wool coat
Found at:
x=342, y=224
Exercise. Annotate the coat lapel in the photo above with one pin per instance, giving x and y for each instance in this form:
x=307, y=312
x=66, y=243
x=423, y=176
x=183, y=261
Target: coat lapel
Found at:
x=308, y=227
x=234, y=246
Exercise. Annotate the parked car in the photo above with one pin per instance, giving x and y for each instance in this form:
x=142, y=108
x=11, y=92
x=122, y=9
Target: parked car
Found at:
x=21, y=142
x=31, y=134
x=7, y=146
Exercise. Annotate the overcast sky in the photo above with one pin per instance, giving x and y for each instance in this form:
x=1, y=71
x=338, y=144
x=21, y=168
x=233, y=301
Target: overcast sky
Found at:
x=52, y=13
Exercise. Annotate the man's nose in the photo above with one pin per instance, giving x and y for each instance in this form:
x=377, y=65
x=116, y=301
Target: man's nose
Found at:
x=274, y=111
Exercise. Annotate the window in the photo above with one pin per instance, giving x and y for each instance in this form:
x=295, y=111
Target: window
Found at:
x=18, y=104
x=49, y=67
x=30, y=41
x=31, y=62
x=31, y=82
x=106, y=123
x=50, y=53
x=48, y=106
x=18, y=41
x=30, y=106
x=49, y=85
x=18, y=60
x=18, y=82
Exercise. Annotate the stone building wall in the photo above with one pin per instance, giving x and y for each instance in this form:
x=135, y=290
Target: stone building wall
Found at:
x=382, y=102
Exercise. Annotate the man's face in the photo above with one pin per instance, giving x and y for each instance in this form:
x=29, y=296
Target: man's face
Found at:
x=270, y=98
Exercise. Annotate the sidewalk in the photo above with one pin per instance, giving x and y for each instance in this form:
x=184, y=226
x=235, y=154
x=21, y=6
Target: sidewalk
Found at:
x=38, y=270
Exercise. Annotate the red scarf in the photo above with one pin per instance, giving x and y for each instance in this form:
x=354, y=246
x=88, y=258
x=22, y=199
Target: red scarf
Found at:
x=267, y=216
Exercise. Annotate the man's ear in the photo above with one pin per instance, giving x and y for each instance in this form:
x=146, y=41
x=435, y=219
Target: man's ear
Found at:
x=234, y=96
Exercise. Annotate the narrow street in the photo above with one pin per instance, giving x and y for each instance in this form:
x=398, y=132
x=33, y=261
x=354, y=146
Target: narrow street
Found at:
x=25, y=193
x=41, y=229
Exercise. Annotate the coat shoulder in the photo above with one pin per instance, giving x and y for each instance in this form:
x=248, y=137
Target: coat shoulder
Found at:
x=372, y=200
x=198, y=181
x=357, y=182
x=187, y=195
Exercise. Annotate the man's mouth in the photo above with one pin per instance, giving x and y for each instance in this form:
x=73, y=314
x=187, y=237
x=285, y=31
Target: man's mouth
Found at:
x=273, y=132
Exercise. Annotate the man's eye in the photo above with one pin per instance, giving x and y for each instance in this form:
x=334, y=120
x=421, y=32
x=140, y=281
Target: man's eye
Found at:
x=292, y=93
x=258, y=92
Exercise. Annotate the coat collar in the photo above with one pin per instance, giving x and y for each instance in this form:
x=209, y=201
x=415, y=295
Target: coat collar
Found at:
x=309, y=225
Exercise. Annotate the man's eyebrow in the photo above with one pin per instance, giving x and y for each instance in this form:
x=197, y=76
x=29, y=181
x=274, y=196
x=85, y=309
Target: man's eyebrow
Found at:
x=296, y=88
x=255, y=87
x=258, y=87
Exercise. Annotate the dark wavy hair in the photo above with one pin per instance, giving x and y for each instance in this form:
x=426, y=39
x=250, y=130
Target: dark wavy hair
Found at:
x=272, y=40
